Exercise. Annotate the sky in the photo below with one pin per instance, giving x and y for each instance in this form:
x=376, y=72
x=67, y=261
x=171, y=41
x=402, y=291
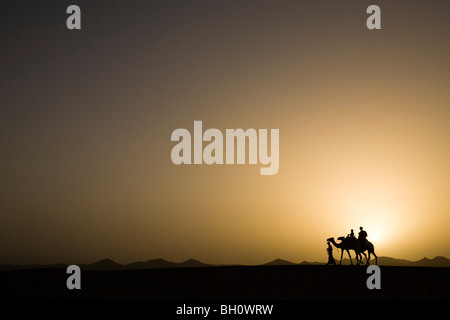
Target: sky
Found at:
x=87, y=115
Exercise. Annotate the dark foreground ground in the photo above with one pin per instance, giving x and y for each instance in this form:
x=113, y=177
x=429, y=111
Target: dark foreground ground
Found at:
x=231, y=283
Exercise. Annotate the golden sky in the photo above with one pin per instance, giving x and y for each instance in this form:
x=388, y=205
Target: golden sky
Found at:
x=87, y=117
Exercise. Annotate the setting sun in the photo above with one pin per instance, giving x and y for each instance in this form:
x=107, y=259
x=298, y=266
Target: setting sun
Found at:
x=375, y=237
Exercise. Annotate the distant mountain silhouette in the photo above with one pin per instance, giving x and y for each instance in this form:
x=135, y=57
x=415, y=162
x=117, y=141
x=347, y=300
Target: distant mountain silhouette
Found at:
x=151, y=264
x=191, y=263
x=307, y=263
x=435, y=262
x=161, y=263
x=279, y=262
x=108, y=264
x=105, y=264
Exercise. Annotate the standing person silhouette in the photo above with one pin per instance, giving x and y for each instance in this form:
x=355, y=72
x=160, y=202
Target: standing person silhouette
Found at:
x=331, y=260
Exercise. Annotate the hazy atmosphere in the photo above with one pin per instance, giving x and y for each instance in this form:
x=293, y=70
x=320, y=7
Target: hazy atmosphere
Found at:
x=87, y=115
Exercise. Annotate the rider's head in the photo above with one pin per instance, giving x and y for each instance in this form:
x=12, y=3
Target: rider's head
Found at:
x=360, y=228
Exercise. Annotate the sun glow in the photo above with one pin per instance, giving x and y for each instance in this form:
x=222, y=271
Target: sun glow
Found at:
x=376, y=237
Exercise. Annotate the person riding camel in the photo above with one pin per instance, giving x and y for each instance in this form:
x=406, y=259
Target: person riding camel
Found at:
x=351, y=235
x=362, y=235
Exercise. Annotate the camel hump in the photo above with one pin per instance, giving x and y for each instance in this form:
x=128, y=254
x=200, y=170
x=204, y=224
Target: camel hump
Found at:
x=364, y=242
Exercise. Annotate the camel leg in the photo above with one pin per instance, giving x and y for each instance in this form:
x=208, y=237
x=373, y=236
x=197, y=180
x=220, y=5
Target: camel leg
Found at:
x=350, y=257
x=365, y=256
x=376, y=258
x=358, y=257
x=342, y=253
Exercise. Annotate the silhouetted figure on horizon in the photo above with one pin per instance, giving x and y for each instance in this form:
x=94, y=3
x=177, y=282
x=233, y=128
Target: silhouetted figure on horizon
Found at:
x=331, y=260
x=359, y=245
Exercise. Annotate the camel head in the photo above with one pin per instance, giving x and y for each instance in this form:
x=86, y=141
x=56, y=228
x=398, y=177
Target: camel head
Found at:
x=341, y=238
x=330, y=239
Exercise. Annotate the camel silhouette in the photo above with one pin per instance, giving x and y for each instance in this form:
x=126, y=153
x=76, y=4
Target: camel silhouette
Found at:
x=348, y=243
